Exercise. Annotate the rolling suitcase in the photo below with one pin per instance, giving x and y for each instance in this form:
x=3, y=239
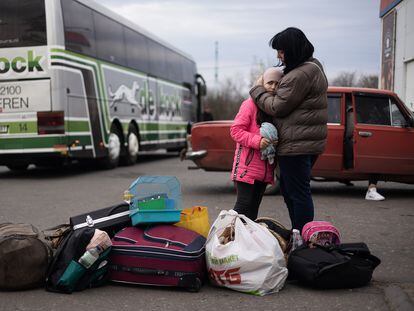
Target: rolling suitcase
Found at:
x=110, y=219
x=163, y=255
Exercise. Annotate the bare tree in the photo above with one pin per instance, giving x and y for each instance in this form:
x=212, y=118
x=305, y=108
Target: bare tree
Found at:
x=370, y=81
x=225, y=101
x=345, y=78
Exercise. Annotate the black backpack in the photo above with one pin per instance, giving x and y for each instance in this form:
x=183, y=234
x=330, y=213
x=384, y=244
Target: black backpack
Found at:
x=66, y=274
x=24, y=257
x=348, y=265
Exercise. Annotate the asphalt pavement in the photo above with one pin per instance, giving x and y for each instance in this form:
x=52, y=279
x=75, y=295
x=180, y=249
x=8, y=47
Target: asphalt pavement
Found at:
x=47, y=197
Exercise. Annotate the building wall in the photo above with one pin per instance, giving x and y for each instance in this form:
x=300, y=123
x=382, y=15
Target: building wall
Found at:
x=403, y=82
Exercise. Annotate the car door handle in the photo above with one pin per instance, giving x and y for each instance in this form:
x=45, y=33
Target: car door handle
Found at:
x=365, y=134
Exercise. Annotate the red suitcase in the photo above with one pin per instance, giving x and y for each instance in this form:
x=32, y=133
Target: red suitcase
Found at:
x=163, y=255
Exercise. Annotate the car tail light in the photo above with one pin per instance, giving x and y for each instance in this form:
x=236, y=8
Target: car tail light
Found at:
x=50, y=122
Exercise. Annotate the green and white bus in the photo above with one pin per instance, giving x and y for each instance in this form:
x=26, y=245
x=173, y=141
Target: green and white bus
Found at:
x=78, y=81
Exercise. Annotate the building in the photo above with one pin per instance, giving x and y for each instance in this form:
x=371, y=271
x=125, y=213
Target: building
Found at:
x=397, y=56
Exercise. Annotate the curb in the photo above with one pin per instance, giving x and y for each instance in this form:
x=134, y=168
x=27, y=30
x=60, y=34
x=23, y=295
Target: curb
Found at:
x=397, y=299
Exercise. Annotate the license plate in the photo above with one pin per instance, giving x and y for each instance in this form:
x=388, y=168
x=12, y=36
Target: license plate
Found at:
x=4, y=129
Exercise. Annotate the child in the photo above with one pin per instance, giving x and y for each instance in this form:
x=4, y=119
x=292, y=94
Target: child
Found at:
x=250, y=173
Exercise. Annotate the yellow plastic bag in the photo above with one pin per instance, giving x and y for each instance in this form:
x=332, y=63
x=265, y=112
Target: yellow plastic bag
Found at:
x=196, y=219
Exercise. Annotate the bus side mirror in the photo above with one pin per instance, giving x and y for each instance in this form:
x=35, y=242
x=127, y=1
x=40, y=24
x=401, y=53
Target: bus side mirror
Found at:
x=201, y=85
x=202, y=89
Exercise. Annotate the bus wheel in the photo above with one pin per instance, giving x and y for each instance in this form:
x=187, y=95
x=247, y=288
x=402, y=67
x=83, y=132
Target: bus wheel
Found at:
x=18, y=167
x=114, y=149
x=132, y=147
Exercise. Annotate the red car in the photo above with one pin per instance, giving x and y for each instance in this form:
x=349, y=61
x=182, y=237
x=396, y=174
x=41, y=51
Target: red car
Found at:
x=370, y=132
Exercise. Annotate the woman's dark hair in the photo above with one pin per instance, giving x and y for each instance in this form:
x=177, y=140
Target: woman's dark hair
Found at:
x=262, y=116
x=297, y=48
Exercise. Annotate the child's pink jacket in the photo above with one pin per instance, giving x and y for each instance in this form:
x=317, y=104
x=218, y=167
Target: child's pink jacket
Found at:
x=247, y=164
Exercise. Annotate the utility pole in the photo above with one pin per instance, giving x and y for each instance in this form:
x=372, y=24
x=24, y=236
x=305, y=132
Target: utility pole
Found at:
x=216, y=64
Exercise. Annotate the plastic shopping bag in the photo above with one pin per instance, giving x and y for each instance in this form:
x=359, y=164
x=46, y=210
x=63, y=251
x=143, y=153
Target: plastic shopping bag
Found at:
x=196, y=219
x=244, y=256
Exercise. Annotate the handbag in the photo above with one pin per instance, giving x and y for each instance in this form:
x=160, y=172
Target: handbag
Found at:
x=347, y=265
x=196, y=219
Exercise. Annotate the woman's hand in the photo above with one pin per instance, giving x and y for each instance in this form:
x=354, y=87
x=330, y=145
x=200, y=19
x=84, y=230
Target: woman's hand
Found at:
x=259, y=81
x=264, y=142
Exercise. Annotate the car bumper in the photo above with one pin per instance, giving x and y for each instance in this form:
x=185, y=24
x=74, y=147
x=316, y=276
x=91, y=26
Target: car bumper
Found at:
x=195, y=155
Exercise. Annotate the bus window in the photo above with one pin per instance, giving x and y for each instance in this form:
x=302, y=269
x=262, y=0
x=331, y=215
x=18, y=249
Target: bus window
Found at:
x=157, y=59
x=174, y=67
x=189, y=70
x=22, y=23
x=136, y=50
x=109, y=39
x=79, y=28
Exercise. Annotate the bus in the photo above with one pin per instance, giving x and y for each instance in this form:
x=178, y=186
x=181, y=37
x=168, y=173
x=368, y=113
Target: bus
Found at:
x=78, y=81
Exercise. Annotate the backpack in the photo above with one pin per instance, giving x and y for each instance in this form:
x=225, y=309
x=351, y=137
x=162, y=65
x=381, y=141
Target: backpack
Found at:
x=338, y=266
x=24, y=257
x=279, y=231
x=322, y=233
x=66, y=274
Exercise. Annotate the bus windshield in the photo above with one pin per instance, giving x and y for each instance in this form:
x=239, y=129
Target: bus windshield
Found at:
x=22, y=23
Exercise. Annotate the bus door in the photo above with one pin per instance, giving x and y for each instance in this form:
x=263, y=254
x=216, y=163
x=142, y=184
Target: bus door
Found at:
x=84, y=125
x=149, y=129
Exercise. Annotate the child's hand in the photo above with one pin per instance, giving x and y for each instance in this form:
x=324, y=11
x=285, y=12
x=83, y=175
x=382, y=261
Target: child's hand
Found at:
x=264, y=142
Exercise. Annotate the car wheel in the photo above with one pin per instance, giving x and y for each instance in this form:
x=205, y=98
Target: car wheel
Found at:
x=114, y=149
x=132, y=148
x=18, y=167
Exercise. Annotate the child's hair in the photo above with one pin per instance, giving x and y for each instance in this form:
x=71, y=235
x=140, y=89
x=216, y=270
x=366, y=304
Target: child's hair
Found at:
x=270, y=74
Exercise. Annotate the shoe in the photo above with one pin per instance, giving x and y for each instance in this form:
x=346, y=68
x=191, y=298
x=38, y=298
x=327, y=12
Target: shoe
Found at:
x=373, y=195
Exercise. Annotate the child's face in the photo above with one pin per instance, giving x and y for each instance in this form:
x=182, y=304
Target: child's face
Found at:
x=271, y=86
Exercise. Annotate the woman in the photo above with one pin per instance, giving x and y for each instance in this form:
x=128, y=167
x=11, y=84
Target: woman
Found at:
x=250, y=173
x=299, y=110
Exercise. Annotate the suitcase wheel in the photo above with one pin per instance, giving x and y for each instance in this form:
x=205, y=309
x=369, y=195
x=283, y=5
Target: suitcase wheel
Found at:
x=196, y=286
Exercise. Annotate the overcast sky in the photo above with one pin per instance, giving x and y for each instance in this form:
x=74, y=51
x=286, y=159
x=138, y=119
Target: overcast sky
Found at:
x=346, y=34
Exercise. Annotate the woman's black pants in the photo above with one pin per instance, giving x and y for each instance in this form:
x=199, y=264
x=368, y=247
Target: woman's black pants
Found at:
x=295, y=174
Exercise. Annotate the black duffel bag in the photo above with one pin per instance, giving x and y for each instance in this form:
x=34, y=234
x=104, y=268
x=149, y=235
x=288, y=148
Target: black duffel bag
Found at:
x=348, y=265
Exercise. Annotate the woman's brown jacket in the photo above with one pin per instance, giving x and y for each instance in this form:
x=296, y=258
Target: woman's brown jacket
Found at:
x=299, y=109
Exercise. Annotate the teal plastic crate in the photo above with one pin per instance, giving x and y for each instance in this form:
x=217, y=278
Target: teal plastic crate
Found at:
x=147, y=216
x=155, y=199
x=147, y=186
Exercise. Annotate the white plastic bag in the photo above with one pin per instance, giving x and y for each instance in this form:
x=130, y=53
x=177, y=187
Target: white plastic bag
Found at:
x=252, y=262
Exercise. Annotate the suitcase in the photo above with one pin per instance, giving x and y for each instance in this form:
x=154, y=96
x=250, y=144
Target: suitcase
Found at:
x=163, y=255
x=110, y=219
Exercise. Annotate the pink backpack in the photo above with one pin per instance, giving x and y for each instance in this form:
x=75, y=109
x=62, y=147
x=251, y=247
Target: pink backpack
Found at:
x=321, y=232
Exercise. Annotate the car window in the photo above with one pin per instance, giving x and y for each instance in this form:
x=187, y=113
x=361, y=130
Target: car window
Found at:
x=373, y=110
x=334, y=108
x=397, y=118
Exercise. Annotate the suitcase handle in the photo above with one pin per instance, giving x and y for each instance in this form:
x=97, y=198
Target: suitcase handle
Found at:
x=138, y=270
x=167, y=242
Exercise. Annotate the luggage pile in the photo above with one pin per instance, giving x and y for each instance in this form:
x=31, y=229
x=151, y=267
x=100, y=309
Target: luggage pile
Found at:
x=149, y=239
x=324, y=262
